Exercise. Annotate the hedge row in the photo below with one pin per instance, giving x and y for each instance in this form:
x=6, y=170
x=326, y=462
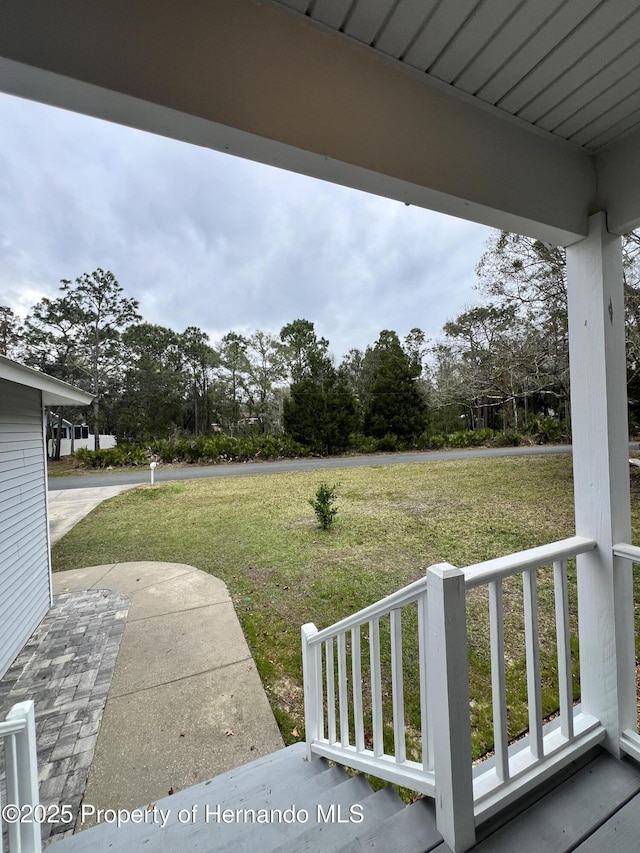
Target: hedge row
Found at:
x=203, y=449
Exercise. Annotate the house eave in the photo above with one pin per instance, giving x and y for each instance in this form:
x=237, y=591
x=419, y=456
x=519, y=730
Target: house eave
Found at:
x=54, y=391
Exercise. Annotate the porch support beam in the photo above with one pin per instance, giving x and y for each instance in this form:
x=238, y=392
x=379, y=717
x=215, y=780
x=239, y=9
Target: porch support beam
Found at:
x=601, y=477
x=259, y=81
x=618, y=171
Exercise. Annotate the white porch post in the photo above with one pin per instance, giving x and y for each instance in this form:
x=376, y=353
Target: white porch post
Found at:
x=448, y=692
x=601, y=477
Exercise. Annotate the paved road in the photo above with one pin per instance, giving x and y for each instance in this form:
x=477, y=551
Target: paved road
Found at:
x=164, y=474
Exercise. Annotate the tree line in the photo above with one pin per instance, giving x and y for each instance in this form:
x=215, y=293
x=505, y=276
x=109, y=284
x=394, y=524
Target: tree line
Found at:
x=501, y=364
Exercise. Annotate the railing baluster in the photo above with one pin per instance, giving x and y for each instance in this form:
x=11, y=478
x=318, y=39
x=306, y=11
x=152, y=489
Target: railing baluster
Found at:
x=498, y=680
x=356, y=677
x=563, y=634
x=376, y=686
x=13, y=792
x=425, y=728
x=533, y=661
x=331, y=691
x=397, y=686
x=343, y=700
x=322, y=729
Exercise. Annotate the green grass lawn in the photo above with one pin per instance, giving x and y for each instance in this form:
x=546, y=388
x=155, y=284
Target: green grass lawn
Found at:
x=259, y=535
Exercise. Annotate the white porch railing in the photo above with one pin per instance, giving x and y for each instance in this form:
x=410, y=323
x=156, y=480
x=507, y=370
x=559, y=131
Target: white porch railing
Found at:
x=629, y=739
x=518, y=768
x=18, y=731
x=334, y=719
x=464, y=795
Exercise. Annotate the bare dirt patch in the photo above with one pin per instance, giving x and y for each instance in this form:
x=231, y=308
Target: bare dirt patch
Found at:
x=289, y=696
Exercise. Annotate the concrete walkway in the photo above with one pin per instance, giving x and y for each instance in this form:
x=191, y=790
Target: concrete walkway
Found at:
x=185, y=702
x=69, y=507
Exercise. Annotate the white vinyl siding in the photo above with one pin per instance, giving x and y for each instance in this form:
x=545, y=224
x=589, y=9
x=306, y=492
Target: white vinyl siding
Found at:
x=24, y=546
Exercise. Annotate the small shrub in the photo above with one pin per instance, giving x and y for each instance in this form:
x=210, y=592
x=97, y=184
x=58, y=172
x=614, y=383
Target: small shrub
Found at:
x=437, y=441
x=459, y=439
x=430, y=441
x=388, y=443
x=481, y=436
x=324, y=505
x=548, y=430
x=507, y=439
x=362, y=443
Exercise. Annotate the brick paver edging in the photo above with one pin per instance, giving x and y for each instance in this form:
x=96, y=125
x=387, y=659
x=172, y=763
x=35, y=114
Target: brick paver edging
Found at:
x=66, y=668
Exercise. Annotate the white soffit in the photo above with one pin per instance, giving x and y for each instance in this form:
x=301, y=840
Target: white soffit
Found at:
x=569, y=67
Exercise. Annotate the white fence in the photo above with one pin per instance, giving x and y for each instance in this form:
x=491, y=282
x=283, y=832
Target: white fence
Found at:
x=338, y=676
x=18, y=731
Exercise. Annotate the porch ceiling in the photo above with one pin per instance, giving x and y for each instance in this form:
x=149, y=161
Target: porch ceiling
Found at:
x=570, y=68
x=521, y=114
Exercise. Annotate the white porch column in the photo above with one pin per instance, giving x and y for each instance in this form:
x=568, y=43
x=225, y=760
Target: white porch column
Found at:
x=601, y=477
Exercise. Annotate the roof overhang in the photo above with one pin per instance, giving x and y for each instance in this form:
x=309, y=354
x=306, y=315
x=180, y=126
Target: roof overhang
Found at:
x=258, y=80
x=54, y=391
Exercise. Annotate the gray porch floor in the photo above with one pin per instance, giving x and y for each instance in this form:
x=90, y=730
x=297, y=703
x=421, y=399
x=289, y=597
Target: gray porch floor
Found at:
x=593, y=806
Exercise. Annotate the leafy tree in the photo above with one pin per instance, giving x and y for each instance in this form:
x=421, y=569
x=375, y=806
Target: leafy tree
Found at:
x=529, y=276
x=200, y=359
x=303, y=351
x=152, y=402
x=395, y=403
x=482, y=336
x=234, y=371
x=415, y=346
x=49, y=346
x=266, y=370
x=321, y=412
x=355, y=368
x=11, y=331
x=78, y=334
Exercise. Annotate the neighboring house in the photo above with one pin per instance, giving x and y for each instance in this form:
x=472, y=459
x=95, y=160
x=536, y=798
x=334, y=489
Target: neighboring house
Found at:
x=25, y=564
x=74, y=437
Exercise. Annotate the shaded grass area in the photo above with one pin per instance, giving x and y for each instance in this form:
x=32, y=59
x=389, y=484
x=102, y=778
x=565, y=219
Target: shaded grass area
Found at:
x=259, y=535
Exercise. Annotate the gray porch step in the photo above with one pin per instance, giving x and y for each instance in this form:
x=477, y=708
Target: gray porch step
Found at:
x=278, y=803
x=409, y=830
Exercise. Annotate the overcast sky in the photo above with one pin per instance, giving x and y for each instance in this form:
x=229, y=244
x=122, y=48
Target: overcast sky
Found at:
x=209, y=240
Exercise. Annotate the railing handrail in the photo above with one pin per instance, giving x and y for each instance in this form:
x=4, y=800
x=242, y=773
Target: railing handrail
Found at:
x=512, y=564
x=475, y=575
x=399, y=598
x=629, y=552
x=12, y=727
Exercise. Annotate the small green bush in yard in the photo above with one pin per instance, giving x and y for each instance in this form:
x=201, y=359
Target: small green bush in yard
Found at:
x=508, y=439
x=324, y=505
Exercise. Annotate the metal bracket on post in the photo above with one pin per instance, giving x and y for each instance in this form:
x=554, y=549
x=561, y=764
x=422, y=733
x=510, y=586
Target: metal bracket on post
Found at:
x=448, y=691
